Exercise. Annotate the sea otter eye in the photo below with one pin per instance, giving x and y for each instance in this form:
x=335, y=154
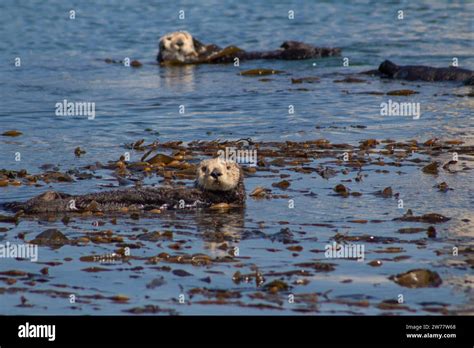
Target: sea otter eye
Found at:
x=204, y=169
x=228, y=167
x=168, y=38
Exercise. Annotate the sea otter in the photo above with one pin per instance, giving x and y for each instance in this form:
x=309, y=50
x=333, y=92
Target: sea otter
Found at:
x=181, y=48
x=217, y=181
x=425, y=73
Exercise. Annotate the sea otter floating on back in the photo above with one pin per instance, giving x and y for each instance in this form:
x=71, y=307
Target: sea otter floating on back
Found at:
x=391, y=70
x=181, y=48
x=217, y=181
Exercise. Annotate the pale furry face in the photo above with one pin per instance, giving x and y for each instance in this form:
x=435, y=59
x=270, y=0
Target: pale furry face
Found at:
x=218, y=175
x=177, y=47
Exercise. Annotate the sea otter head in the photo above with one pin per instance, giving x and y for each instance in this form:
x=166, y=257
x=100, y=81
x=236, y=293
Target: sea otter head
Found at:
x=178, y=47
x=388, y=68
x=217, y=174
x=296, y=45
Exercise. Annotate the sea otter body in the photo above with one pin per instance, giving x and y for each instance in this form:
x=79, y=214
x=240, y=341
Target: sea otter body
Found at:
x=217, y=181
x=425, y=73
x=181, y=48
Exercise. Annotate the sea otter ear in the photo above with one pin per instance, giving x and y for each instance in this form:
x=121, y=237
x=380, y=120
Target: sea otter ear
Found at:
x=232, y=165
x=286, y=45
x=199, y=168
x=198, y=46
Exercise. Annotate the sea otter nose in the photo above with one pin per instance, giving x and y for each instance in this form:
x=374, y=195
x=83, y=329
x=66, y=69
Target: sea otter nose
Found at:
x=216, y=174
x=179, y=43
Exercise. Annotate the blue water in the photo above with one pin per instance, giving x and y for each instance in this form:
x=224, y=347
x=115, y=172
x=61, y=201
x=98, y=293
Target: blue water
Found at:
x=62, y=58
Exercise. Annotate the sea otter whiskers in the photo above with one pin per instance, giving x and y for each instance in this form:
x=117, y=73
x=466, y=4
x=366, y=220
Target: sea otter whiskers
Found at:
x=218, y=175
x=178, y=46
x=181, y=48
x=217, y=181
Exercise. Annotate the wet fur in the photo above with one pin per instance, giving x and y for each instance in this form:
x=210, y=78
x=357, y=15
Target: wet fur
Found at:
x=289, y=50
x=137, y=198
x=389, y=69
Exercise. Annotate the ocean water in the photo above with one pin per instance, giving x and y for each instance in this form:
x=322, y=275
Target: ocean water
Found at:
x=63, y=58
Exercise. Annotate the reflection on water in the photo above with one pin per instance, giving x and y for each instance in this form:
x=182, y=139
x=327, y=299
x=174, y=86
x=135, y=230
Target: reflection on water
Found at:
x=179, y=78
x=220, y=230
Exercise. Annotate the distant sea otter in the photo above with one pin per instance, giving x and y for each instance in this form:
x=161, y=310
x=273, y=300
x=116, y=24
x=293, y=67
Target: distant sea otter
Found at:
x=425, y=73
x=217, y=181
x=181, y=48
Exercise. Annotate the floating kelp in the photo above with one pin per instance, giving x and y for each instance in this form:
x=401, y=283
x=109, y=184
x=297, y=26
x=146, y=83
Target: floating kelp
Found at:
x=411, y=230
x=160, y=159
x=385, y=193
x=260, y=72
x=431, y=168
x=276, y=286
x=285, y=236
x=214, y=293
x=260, y=192
x=256, y=276
x=228, y=52
x=181, y=273
x=150, y=309
x=134, y=63
x=22, y=177
x=196, y=259
x=390, y=250
x=284, y=184
x=375, y=263
x=402, y=92
x=341, y=190
x=318, y=266
x=369, y=143
x=156, y=236
x=394, y=305
x=305, y=80
x=51, y=237
x=120, y=298
x=418, y=278
x=443, y=187
x=79, y=152
x=326, y=172
x=12, y=133
x=350, y=80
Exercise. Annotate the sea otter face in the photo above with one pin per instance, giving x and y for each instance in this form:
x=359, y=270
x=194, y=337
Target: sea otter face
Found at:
x=177, y=47
x=218, y=175
x=388, y=68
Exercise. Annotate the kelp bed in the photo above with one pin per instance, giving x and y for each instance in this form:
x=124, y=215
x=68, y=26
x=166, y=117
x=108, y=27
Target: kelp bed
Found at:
x=407, y=202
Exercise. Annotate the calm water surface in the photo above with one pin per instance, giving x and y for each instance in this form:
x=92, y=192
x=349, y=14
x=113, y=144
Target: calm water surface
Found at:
x=63, y=59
